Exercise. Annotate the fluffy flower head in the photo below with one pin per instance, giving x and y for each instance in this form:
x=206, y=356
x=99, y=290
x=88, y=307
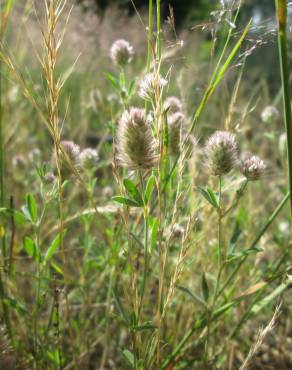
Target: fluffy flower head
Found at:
x=136, y=147
x=270, y=114
x=122, y=52
x=253, y=168
x=172, y=104
x=175, y=122
x=88, y=158
x=222, y=152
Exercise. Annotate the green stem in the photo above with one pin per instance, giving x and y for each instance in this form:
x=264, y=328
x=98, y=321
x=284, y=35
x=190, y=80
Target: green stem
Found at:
x=146, y=262
x=150, y=31
x=190, y=332
x=255, y=241
x=158, y=15
x=281, y=10
x=239, y=194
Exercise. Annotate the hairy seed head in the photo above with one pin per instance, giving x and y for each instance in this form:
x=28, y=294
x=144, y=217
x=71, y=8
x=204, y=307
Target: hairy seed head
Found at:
x=253, y=168
x=122, y=52
x=69, y=157
x=172, y=104
x=150, y=83
x=19, y=161
x=108, y=192
x=175, y=122
x=270, y=114
x=222, y=152
x=49, y=178
x=136, y=146
x=178, y=231
x=88, y=159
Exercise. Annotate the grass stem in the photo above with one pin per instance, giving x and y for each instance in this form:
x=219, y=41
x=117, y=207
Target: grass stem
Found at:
x=281, y=15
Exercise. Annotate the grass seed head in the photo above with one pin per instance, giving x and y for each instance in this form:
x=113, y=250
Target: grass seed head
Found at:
x=150, y=84
x=222, y=152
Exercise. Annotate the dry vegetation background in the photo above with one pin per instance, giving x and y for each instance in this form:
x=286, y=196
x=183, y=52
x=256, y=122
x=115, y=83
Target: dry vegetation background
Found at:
x=73, y=259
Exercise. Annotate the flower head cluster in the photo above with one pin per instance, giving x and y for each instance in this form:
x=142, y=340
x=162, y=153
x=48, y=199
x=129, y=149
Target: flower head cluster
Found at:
x=88, y=159
x=175, y=122
x=222, y=152
x=253, y=168
x=172, y=105
x=270, y=114
x=150, y=83
x=136, y=147
x=122, y=52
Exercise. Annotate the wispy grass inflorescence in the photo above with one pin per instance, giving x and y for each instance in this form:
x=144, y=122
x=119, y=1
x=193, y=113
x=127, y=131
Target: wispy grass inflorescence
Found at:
x=150, y=84
x=136, y=145
x=122, y=52
x=222, y=152
x=253, y=168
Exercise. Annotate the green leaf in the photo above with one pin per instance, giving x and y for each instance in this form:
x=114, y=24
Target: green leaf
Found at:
x=13, y=303
x=210, y=196
x=154, y=232
x=9, y=5
x=149, y=189
x=205, y=288
x=19, y=217
x=236, y=234
x=269, y=298
x=113, y=81
x=194, y=296
x=31, y=207
x=31, y=248
x=131, y=86
x=133, y=191
x=127, y=201
x=129, y=357
x=52, y=248
x=244, y=253
x=146, y=326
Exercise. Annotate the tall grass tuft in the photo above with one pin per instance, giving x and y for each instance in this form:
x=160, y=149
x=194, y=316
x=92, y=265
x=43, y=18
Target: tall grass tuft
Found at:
x=281, y=16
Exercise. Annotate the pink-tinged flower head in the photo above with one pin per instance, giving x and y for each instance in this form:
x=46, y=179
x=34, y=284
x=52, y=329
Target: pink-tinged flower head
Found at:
x=253, y=168
x=175, y=123
x=69, y=157
x=172, y=104
x=88, y=159
x=122, y=52
x=270, y=114
x=136, y=146
x=222, y=152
